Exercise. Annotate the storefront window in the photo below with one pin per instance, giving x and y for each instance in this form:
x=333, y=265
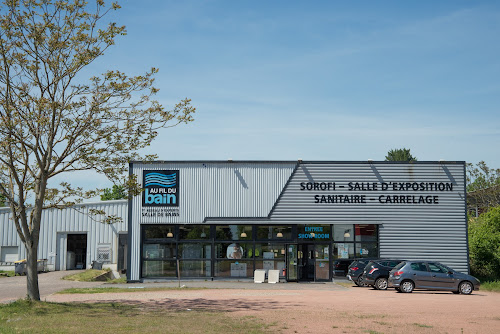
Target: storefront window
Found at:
x=158, y=251
x=314, y=232
x=195, y=268
x=343, y=251
x=233, y=250
x=366, y=250
x=366, y=232
x=271, y=265
x=194, y=232
x=153, y=232
x=233, y=232
x=195, y=251
x=159, y=269
x=343, y=232
x=233, y=268
x=270, y=251
x=265, y=232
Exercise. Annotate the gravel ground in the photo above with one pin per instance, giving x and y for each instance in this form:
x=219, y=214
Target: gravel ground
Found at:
x=322, y=308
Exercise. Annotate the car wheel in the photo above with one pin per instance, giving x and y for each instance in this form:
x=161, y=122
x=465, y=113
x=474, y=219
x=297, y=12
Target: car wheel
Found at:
x=465, y=288
x=381, y=283
x=407, y=287
x=360, y=281
x=356, y=282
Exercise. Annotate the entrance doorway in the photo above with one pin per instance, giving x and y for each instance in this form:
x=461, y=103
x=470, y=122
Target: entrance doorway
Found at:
x=306, y=260
x=122, y=252
x=313, y=262
x=76, y=257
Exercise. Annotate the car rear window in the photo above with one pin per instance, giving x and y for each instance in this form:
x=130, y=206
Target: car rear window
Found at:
x=418, y=267
x=401, y=265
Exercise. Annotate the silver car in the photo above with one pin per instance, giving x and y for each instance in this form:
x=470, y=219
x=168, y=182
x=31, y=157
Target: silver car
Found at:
x=430, y=275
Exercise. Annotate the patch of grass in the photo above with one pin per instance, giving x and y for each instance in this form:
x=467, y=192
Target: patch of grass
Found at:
x=113, y=290
x=373, y=332
x=422, y=325
x=7, y=273
x=345, y=284
x=490, y=286
x=120, y=280
x=86, y=276
x=41, y=317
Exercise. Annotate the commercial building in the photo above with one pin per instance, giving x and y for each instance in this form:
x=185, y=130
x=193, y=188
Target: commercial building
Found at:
x=225, y=219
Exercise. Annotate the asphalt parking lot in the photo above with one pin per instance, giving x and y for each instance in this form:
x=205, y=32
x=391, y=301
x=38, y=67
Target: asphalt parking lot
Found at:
x=13, y=288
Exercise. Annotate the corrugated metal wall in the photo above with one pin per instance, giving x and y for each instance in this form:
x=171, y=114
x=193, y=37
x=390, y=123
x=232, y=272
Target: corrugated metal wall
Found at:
x=70, y=220
x=212, y=189
x=411, y=231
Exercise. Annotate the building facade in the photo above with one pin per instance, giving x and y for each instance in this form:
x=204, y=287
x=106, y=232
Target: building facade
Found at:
x=225, y=219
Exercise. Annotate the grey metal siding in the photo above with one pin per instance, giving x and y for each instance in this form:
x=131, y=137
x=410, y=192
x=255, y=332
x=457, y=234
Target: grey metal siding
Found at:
x=212, y=189
x=411, y=231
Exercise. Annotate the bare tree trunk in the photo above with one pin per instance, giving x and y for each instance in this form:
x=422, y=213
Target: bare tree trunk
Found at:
x=32, y=270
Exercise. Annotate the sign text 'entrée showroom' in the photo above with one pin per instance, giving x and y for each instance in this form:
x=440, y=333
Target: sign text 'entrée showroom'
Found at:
x=373, y=188
x=161, y=188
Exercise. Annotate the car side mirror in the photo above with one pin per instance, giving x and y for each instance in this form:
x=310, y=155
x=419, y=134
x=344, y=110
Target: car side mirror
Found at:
x=450, y=272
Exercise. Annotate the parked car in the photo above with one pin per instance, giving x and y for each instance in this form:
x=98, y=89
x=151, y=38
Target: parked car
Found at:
x=431, y=275
x=376, y=273
x=341, y=266
x=355, y=271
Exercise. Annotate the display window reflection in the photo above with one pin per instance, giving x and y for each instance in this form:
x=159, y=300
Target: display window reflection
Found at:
x=366, y=232
x=158, y=251
x=343, y=250
x=269, y=251
x=159, y=232
x=194, y=232
x=366, y=250
x=233, y=232
x=195, y=250
x=195, y=268
x=159, y=269
x=233, y=251
x=233, y=268
x=343, y=232
x=266, y=232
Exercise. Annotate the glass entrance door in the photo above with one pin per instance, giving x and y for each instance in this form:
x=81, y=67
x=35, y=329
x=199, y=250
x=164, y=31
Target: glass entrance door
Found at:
x=291, y=263
x=306, y=260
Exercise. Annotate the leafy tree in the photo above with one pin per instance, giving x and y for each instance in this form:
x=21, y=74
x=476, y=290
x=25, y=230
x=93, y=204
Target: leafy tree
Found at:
x=400, y=154
x=116, y=192
x=483, y=186
x=484, y=244
x=53, y=121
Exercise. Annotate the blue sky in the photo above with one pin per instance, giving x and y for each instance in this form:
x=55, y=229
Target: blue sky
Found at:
x=320, y=80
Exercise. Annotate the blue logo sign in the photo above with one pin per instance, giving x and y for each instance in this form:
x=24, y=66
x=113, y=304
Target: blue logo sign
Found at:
x=161, y=188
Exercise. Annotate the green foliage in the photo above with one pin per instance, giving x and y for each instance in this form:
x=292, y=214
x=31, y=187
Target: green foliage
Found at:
x=490, y=286
x=480, y=176
x=484, y=244
x=54, y=121
x=117, y=192
x=400, y=154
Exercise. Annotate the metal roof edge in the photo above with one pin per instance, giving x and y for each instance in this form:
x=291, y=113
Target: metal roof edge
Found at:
x=301, y=162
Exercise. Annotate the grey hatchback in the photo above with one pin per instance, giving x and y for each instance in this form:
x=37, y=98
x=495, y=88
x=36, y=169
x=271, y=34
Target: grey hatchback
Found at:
x=430, y=275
